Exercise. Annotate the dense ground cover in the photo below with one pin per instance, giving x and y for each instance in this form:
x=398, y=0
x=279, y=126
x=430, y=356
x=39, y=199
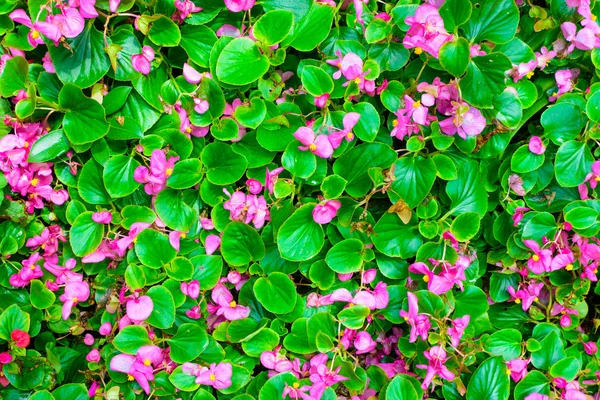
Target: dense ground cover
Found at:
x=299, y=199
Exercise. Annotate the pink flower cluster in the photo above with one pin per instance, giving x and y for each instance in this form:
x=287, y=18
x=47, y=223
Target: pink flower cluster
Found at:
x=427, y=32
x=323, y=145
x=448, y=275
x=142, y=366
x=155, y=177
x=30, y=180
x=247, y=208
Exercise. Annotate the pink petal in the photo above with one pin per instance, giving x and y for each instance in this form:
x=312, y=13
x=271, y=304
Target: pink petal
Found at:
x=191, y=75
x=139, y=309
x=122, y=363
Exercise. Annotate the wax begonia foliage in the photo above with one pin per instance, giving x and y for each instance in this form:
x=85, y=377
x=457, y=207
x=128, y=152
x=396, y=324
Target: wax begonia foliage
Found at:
x=317, y=200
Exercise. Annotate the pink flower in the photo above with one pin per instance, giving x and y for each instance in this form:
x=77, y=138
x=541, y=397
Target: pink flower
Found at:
x=321, y=101
x=364, y=343
x=321, y=376
x=47, y=64
x=515, y=183
x=141, y=62
x=465, y=121
x=590, y=271
x=419, y=323
x=350, y=120
x=426, y=32
x=113, y=5
x=254, y=186
x=239, y=5
x=541, y=260
x=325, y=211
x=437, y=358
x=75, y=292
x=271, y=178
x=351, y=66
x=544, y=57
x=191, y=289
x=585, y=39
x=103, y=217
x=51, y=31
x=105, y=329
x=518, y=215
x=369, y=275
x=458, y=328
x=93, y=356
x=185, y=8
x=155, y=178
x=139, y=367
x=193, y=76
x=212, y=243
x=536, y=146
x=296, y=392
x=590, y=348
x=318, y=145
x=337, y=63
x=226, y=306
x=565, y=81
x=88, y=339
x=139, y=309
x=70, y=22
x=517, y=369
x=526, y=297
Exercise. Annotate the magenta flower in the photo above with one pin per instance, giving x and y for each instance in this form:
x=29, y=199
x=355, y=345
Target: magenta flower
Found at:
x=458, y=328
x=185, y=8
x=544, y=57
x=590, y=348
x=517, y=369
x=337, y=63
x=590, y=271
x=271, y=178
x=536, y=396
x=321, y=376
x=212, y=243
x=350, y=120
x=437, y=358
x=564, y=259
x=139, y=367
x=321, y=101
x=518, y=215
x=426, y=32
x=296, y=392
x=254, y=186
x=103, y=217
x=526, y=297
x=70, y=22
x=325, y=211
x=564, y=312
x=465, y=121
x=113, y=5
x=541, y=260
x=75, y=292
x=139, y=309
x=369, y=275
x=419, y=323
x=191, y=289
x=155, y=178
x=319, y=145
x=93, y=356
x=239, y=5
x=51, y=31
x=216, y=375
x=28, y=272
x=193, y=76
x=141, y=62
x=88, y=339
x=225, y=305
x=536, y=146
x=565, y=81
x=364, y=343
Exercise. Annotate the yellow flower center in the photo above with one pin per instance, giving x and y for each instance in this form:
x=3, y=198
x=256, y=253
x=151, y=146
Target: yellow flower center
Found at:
x=183, y=236
x=595, y=271
x=134, y=240
x=418, y=50
x=594, y=17
x=26, y=145
x=416, y=104
x=169, y=171
x=569, y=267
x=43, y=246
x=508, y=371
x=35, y=181
x=535, y=299
x=75, y=300
x=357, y=80
x=535, y=258
x=406, y=318
x=35, y=34
x=425, y=279
x=339, y=65
x=597, y=179
x=147, y=362
x=529, y=75
x=350, y=135
x=232, y=304
x=518, y=301
x=312, y=147
x=130, y=377
x=32, y=267
x=296, y=385
x=188, y=129
x=554, y=94
x=212, y=377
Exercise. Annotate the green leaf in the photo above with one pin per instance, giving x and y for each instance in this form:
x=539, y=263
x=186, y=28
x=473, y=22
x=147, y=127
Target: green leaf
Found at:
x=354, y=164
x=316, y=81
x=173, y=211
x=510, y=110
x=273, y=26
x=311, y=30
x=562, y=122
x=445, y=167
x=401, y=388
x=71, y=391
x=85, y=235
x=118, y=176
x=346, y=256
x=552, y=351
x=14, y=76
x=354, y=317
x=241, y=244
x=188, y=343
x=163, y=313
x=251, y=115
x=153, y=248
x=131, y=338
x=534, y=382
x=573, y=162
x=523, y=160
x=276, y=293
x=241, y=62
x=367, y=126
x=505, y=343
x=454, y=56
x=13, y=318
x=333, y=186
x=186, y=173
x=224, y=166
x=164, y=32
x=467, y=192
x=593, y=107
x=83, y=62
x=413, y=179
x=394, y=238
x=273, y=388
x=84, y=120
x=540, y=225
x=485, y=78
x=377, y=30
x=207, y=270
x=185, y=382
x=489, y=381
x=567, y=368
x=471, y=301
x=265, y=340
x=48, y=147
x=300, y=163
x=455, y=13
x=581, y=217
x=300, y=237
x=465, y=226
x=493, y=21
x=197, y=41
